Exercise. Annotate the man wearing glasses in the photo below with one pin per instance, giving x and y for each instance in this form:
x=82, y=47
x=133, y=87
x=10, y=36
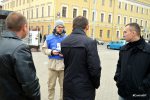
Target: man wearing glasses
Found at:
x=52, y=48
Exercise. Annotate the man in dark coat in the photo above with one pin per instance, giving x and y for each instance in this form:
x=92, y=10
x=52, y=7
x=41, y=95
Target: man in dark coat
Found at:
x=18, y=79
x=82, y=64
x=133, y=69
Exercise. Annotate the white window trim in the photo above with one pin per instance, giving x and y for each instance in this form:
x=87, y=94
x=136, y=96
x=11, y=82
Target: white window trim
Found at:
x=104, y=16
x=77, y=11
x=66, y=10
x=111, y=17
x=86, y=11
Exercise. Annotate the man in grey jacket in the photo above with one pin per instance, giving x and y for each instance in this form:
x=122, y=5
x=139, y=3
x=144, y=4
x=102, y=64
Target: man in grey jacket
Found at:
x=18, y=80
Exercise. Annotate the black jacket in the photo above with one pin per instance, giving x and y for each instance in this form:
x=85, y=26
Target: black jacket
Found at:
x=82, y=66
x=133, y=70
x=18, y=79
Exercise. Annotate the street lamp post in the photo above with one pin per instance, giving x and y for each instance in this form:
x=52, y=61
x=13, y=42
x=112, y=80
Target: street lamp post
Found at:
x=94, y=20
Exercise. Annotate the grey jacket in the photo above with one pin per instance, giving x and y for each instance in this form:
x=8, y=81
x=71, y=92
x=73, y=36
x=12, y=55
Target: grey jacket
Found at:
x=18, y=80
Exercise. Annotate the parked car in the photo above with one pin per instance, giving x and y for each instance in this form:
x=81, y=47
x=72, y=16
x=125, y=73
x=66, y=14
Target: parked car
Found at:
x=116, y=44
x=147, y=41
x=99, y=42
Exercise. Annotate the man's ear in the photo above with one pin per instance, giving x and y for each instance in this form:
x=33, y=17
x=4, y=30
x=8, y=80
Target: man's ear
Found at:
x=87, y=27
x=134, y=33
x=23, y=27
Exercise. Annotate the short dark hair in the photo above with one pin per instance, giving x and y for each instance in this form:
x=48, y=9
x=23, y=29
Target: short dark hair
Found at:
x=80, y=22
x=14, y=21
x=135, y=27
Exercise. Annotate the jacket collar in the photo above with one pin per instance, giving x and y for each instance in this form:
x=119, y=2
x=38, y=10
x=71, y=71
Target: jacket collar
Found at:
x=139, y=44
x=78, y=31
x=10, y=34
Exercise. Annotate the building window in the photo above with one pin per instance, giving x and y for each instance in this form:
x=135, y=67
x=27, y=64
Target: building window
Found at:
x=36, y=12
x=147, y=11
x=42, y=30
x=8, y=5
x=64, y=11
x=109, y=18
x=108, y=34
x=49, y=10
x=85, y=0
x=103, y=2
x=137, y=9
x=94, y=1
x=23, y=12
x=85, y=13
x=131, y=7
x=32, y=13
x=126, y=6
x=125, y=20
x=93, y=16
x=20, y=2
x=102, y=17
x=141, y=22
x=27, y=14
x=145, y=23
x=101, y=33
x=42, y=11
x=118, y=19
x=23, y=1
x=136, y=20
x=74, y=12
x=119, y=5
x=110, y=3
x=16, y=3
x=130, y=20
x=118, y=34
x=142, y=11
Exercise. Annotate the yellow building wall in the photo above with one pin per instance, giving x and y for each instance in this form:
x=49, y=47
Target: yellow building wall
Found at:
x=56, y=7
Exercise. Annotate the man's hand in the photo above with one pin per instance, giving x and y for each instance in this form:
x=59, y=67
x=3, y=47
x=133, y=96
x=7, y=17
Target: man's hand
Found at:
x=61, y=55
x=55, y=52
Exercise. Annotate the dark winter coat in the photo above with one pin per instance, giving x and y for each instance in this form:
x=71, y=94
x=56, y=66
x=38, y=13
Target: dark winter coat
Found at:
x=82, y=66
x=133, y=70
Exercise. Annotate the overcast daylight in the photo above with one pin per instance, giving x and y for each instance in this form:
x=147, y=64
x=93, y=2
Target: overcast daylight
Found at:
x=55, y=49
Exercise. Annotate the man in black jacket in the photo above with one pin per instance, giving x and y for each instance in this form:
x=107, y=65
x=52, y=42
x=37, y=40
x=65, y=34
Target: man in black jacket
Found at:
x=133, y=69
x=18, y=80
x=82, y=64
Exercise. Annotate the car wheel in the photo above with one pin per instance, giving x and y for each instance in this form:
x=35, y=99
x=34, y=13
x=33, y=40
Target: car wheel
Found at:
x=108, y=47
